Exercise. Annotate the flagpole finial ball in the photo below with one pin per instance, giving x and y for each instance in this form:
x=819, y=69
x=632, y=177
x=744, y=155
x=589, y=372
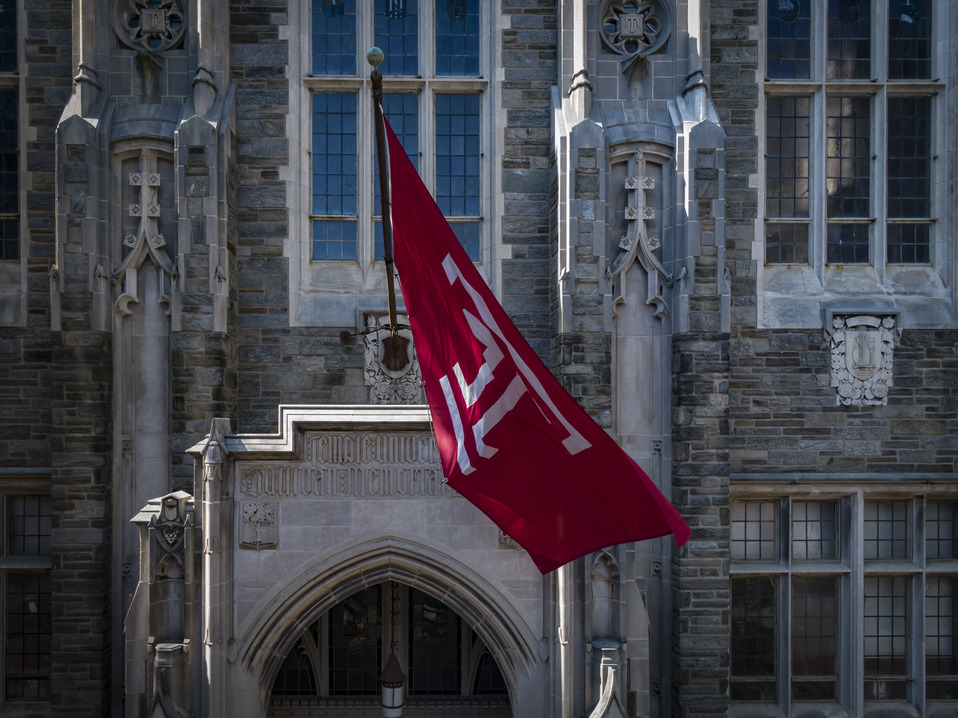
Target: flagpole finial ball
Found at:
x=375, y=56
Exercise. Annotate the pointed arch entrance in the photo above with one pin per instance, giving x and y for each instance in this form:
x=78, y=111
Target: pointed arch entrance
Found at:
x=405, y=588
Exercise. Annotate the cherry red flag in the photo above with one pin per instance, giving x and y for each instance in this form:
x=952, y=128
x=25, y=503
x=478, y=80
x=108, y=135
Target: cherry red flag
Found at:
x=511, y=439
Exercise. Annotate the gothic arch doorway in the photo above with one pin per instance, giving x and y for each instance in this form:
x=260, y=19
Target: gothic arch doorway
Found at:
x=336, y=662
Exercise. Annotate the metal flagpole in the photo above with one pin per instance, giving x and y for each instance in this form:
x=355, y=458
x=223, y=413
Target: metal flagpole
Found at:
x=375, y=57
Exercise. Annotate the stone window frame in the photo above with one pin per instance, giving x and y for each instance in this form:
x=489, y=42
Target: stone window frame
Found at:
x=13, y=272
x=18, y=564
x=790, y=295
x=850, y=567
x=341, y=293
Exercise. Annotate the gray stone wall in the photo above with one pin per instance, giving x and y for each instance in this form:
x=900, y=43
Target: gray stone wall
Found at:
x=529, y=69
x=25, y=351
x=784, y=416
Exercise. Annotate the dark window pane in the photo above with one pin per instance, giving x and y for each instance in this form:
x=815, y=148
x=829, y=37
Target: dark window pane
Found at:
x=435, y=646
x=848, y=157
x=457, y=155
x=814, y=637
x=295, y=677
x=489, y=680
x=355, y=644
x=909, y=243
x=334, y=37
x=754, y=530
x=886, y=530
x=786, y=244
x=29, y=526
x=909, y=39
x=886, y=637
x=787, y=152
x=9, y=239
x=334, y=240
x=814, y=531
x=334, y=154
x=752, y=640
x=457, y=37
x=28, y=630
x=847, y=244
x=941, y=529
x=909, y=157
x=941, y=649
x=9, y=174
x=396, y=27
x=849, y=40
x=8, y=37
x=789, y=39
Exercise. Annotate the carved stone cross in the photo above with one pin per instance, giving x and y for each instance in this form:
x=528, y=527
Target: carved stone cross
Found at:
x=148, y=208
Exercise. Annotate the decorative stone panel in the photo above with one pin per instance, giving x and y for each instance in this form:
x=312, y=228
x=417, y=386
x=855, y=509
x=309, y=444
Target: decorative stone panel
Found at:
x=862, y=357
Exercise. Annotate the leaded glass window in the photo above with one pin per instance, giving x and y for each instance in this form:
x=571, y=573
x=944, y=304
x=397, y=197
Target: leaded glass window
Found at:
x=861, y=597
x=828, y=105
x=941, y=650
x=432, y=80
x=815, y=636
x=752, y=643
x=25, y=587
x=886, y=637
x=755, y=530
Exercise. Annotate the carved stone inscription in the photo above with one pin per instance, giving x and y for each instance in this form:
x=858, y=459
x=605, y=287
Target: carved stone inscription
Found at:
x=339, y=465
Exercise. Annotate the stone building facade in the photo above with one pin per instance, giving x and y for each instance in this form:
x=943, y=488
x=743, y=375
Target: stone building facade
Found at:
x=728, y=227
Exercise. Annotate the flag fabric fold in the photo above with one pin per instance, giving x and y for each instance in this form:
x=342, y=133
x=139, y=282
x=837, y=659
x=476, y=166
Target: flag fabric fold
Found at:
x=511, y=439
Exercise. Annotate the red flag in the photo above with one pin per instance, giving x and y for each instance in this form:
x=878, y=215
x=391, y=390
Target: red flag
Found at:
x=511, y=439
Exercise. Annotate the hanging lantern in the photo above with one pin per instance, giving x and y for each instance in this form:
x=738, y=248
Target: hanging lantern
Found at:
x=392, y=683
x=457, y=10
x=395, y=9
x=788, y=10
x=334, y=8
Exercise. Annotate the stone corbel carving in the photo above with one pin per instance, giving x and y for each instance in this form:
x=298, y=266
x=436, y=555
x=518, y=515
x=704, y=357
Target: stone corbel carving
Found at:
x=637, y=244
x=862, y=355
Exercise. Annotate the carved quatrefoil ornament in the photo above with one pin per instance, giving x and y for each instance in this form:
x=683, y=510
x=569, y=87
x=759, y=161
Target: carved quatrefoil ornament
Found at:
x=150, y=25
x=635, y=29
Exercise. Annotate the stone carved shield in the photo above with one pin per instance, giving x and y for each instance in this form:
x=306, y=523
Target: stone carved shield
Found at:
x=862, y=354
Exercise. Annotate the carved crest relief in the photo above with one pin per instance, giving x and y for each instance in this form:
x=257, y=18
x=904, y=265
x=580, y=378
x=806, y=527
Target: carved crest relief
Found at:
x=258, y=528
x=391, y=367
x=862, y=354
x=635, y=29
x=149, y=25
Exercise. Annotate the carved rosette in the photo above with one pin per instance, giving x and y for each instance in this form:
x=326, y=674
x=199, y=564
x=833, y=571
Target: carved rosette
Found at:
x=149, y=25
x=862, y=357
x=635, y=29
x=391, y=366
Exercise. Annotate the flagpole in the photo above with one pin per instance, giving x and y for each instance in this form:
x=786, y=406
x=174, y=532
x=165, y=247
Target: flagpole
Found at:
x=375, y=57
